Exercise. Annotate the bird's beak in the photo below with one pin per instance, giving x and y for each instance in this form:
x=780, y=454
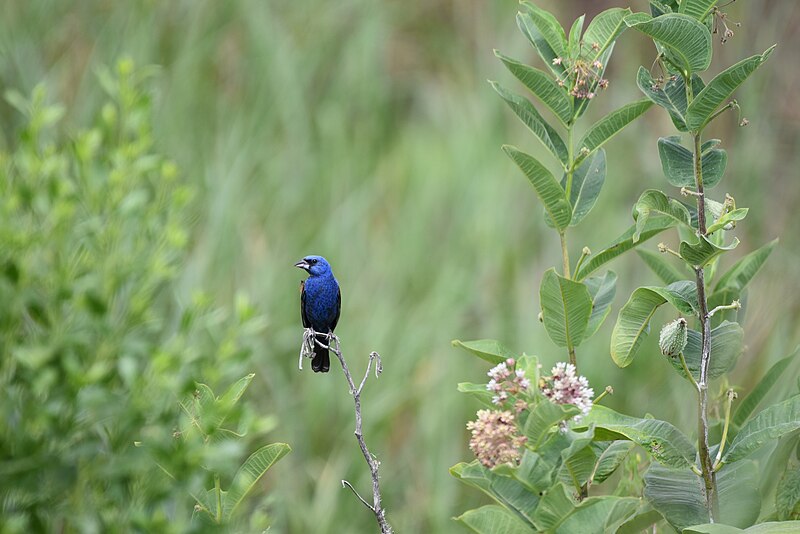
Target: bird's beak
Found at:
x=302, y=264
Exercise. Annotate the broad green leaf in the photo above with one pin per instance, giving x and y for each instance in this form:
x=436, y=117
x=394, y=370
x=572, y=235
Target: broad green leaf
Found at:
x=575, y=36
x=487, y=349
x=633, y=320
x=587, y=181
x=658, y=263
x=686, y=41
x=234, y=393
x=677, y=162
x=596, y=515
x=602, y=290
x=678, y=495
x=555, y=505
x=671, y=97
x=545, y=34
x=748, y=405
x=645, y=517
x=771, y=423
x=493, y=519
x=604, y=129
x=711, y=528
x=535, y=122
x=624, y=243
x=546, y=187
x=720, y=89
x=771, y=527
x=250, y=472
x=534, y=471
x=503, y=488
x=654, y=202
x=787, y=497
x=609, y=457
x=736, y=215
x=727, y=344
x=740, y=274
x=604, y=29
x=543, y=417
x=661, y=439
x=703, y=252
x=578, y=459
x=566, y=307
x=542, y=86
x=478, y=391
x=699, y=9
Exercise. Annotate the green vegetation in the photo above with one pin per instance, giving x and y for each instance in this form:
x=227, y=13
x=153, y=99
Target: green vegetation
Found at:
x=362, y=131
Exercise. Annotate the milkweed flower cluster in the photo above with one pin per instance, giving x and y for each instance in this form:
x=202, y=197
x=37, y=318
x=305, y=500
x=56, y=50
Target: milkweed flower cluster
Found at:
x=504, y=382
x=495, y=438
x=581, y=74
x=565, y=387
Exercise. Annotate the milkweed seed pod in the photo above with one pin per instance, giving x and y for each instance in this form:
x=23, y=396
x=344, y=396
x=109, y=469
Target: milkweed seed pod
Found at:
x=673, y=337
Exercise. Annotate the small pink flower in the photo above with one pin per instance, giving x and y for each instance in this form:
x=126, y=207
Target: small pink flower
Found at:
x=495, y=438
x=565, y=387
x=557, y=61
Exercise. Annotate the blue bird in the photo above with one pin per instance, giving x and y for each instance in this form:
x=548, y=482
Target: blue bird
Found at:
x=320, y=304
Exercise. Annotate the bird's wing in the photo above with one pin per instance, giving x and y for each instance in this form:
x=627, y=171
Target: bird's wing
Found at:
x=306, y=322
x=338, y=308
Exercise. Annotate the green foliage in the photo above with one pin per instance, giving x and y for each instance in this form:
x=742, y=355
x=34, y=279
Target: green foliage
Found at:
x=566, y=309
x=95, y=230
x=546, y=186
x=677, y=162
x=686, y=42
x=610, y=125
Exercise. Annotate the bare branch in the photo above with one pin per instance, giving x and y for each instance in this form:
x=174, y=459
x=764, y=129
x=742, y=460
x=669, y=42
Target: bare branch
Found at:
x=360, y=498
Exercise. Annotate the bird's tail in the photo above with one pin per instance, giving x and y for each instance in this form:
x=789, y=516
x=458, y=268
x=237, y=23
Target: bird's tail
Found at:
x=322, y=360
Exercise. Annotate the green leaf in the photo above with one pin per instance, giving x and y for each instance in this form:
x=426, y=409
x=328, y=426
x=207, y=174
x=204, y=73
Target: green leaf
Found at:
x=671, y=97
x=554, y=506
x=775, y=527
x=604, y=129
x=234, y=393
x=487, y=349
x=542, y=86
x=748, y=405
x=665, y=271
x=720, y=89
x=604, y=29
x=655, y=202
x=543, y=417
x=478, y=391
x=769, y=424
x=587, y=181
x=686, y=41
x=575, y=36
x=740, y=274
x=250, y=472
x=634, y=318
x=727, y=344
x=545, y=34
x=699, y=9
x=535, y=122
x=602, y=290
x=596, y=515
x=578, y=459
x=704, y=251
x=624, y=243
x=546, y=187
x=677, y=162
x=678, y=495
x=566, y=307
x=662, y=440
x=787, y=497
x=504, y=488
x=610, y=456
x=493, y=519
x=736, y=215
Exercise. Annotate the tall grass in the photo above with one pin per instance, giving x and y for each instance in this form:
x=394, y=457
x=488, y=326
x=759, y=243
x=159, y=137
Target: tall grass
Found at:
x=364, y=131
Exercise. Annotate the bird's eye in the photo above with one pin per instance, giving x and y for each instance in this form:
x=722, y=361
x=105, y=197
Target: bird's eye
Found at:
x=313, y=262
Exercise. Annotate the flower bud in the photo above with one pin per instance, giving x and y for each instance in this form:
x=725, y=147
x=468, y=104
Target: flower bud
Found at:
x=673, y=337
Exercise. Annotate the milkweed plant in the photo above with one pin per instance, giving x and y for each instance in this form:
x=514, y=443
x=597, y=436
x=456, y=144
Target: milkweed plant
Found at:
x=543, y=441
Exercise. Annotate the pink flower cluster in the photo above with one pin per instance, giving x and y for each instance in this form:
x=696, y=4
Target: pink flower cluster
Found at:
x=504, y=382
x=580, y=75
x=495, y=438
x=565, y=387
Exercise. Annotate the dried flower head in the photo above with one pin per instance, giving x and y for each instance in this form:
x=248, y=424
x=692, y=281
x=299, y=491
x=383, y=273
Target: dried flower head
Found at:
x=565, y=387
x=495, y=438
x=505, y=382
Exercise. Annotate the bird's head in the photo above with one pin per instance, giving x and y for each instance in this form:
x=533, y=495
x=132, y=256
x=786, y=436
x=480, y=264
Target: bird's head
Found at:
x=314, y=265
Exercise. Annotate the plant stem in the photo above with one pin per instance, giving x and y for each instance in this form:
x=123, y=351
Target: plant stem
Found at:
x=563, y=235
x=373, y=463
x=709, y=477
x=718, y=460
x=219, y=498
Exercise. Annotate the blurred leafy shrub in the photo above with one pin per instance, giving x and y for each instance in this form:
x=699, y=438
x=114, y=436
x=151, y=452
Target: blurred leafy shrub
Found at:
x=97, y=350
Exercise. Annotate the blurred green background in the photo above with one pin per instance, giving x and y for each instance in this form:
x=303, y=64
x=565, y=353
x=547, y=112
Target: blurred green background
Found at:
x=366, y=132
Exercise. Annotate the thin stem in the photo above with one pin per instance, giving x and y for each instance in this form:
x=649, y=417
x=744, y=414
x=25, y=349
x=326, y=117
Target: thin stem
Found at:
x=564, y=254
x=563, y=236
x=373, y=463
x=688, y=373
x=608, y=391
x=585, y=253
x=718, y=460
x=735, y=305
x=218, y=490
x=709, y=477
